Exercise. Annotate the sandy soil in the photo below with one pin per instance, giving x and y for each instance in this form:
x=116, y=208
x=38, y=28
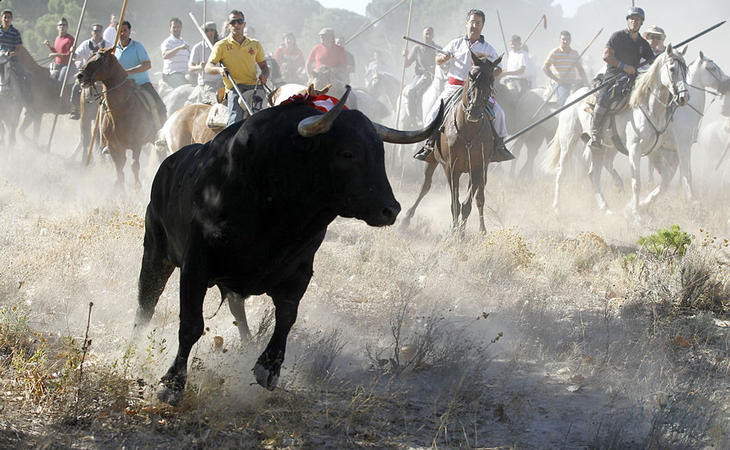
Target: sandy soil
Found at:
x=544, y=333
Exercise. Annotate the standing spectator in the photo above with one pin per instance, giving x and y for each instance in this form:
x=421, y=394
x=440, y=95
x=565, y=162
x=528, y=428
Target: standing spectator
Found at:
x=425, y=60
x=134, y=59
x=175, y=56
x=61, y=49
x=290, y=59
x=561, y=66
x=327, y=54
x=208, y=85
x=110, y=33
x=82, y=54
x=239, y=57
x=350, y=60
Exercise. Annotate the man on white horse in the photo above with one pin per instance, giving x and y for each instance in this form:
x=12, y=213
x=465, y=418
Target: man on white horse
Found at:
x=622, y=55
x=458, y=51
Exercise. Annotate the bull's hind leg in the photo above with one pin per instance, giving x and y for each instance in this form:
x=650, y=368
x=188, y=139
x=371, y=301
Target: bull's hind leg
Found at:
x=156, y=270
x=237, y=305
x=193, y=285
x=425, y=187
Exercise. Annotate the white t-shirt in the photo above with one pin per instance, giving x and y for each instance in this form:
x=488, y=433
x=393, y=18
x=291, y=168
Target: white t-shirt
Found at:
x=461, y=59
x=83, y=51
x=515, y=60
x=179, y=62
x=110, y=33
x=201, y=53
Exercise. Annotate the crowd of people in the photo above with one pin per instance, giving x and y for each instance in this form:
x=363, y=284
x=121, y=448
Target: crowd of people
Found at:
x=238, y=58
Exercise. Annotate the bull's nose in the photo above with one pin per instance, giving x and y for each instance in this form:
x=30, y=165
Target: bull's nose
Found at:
x=389, y=213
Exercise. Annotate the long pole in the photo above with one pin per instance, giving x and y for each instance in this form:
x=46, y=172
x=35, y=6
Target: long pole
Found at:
x=542, y=19
x=504, y=39
x=572, y=66
x=101, y=106
x=368, y=26
x=403, y=72
x=71, y=55
x=605, y=82
x=228, y=75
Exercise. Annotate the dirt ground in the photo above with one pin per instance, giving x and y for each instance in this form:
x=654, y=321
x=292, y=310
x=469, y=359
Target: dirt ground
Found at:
x=547, y=332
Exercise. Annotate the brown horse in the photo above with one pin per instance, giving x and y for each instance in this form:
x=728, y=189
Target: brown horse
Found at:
x=127, y=123
x=45, y=99
x=466, y=145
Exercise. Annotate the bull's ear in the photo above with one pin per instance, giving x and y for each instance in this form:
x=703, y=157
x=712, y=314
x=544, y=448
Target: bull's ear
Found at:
x=497, y=61
x=702, y=55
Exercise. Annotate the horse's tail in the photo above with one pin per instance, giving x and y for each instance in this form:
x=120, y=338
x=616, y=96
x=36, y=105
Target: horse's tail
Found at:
x=550, y=164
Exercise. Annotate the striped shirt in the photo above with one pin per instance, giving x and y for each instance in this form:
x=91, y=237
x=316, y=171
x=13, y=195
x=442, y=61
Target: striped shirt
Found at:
x=564, y=64
x=10, y=38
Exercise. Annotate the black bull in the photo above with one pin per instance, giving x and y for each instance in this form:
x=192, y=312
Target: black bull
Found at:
x=248, y=210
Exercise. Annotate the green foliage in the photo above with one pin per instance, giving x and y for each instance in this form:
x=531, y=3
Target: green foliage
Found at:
x=666, y=242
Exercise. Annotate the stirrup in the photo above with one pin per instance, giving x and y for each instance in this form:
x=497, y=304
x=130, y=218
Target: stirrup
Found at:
x=422, y=153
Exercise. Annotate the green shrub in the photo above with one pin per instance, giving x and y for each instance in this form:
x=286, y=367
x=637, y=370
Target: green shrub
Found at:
x=666, y=242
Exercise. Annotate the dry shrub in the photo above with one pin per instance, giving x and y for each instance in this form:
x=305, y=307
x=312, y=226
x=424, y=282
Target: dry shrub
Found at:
x=587, y=250
x=497, y=255
x=704, y=281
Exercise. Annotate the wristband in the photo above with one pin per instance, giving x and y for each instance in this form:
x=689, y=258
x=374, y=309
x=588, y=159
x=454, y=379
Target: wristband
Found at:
x=621, y=66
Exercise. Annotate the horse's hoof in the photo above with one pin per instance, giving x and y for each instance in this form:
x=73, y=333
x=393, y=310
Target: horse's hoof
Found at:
x=169, y=395
x=265, y=377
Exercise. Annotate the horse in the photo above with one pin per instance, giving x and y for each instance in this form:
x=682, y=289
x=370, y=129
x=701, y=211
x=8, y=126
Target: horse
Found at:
x=10, y=96
x=519, y=111
x=640, y=127
x=703, y=74
x=45, y=98
x=88, y=109
x=126, y=122
x=466, y=146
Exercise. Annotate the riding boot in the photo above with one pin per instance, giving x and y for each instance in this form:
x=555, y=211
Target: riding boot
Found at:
x=428, y=147
x=600, y=113
x=500, y=152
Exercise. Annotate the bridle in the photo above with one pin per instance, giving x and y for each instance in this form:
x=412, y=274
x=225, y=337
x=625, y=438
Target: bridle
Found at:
x=474, y=94
x=674, y=90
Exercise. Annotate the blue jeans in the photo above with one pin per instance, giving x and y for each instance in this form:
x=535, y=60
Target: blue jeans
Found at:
x=235, y=112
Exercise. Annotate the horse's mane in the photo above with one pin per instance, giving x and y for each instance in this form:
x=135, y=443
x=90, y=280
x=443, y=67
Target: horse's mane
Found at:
x=646, y=81
x=26, y=59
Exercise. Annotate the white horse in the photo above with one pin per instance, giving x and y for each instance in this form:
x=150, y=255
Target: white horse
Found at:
x=640, y=126
x=703, y=76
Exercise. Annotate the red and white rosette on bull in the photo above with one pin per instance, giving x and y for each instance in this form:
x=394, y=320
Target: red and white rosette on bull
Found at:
x=321, y=102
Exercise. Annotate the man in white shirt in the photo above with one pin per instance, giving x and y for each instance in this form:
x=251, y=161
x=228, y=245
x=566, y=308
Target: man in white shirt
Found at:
x=208, y=85
x=458, y=53
x=81, y=55
x=517, y=76
x=175, y=56
x=110, y=33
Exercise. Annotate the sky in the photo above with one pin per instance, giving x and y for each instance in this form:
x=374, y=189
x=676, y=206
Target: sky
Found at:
x=358, y=6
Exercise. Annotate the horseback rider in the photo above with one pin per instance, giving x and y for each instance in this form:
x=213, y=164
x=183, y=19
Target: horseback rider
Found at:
x=327, y=54
x=61, y=50
x=561, y=66
x=517, y=76
x=175, y=56
x=458, y=51
x=82, y=54
x=655, y=36
x=10, y=41
x=134, y=59
x=623, y=54
x=239, y=56
x=425, y=60
x=208, y=85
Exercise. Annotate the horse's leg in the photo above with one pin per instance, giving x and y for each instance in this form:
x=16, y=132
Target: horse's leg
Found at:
x=635, y=164
x=564, y=147
x=427, y=177
x=684, y=150
x=596, y=159
x=453, y=177
x=665, y=161
x=120, y=158
x=135, y=166
x=478, y=184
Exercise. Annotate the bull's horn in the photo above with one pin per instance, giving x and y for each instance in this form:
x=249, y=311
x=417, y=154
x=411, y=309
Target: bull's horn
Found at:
x=409, y=137
x=318, y=124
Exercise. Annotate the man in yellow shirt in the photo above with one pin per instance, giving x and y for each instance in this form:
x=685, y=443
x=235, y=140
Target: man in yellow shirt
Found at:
x=239, y=57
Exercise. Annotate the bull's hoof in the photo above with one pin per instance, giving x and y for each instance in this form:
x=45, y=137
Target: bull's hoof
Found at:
x=267, y=378
x=169, y=395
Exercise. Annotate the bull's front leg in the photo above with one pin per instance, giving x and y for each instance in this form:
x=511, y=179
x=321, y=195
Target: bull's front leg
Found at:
x=286, y=299
x=193, y=284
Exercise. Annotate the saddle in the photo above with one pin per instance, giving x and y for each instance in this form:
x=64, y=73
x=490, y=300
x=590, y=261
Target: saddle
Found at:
x=150, y=105
x=217, y=117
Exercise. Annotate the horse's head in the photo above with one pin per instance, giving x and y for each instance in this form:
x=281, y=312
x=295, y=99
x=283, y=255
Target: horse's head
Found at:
x=478, y=87
x=97, y=68
x=674, y=74
x=322, y=77
x=706, y=73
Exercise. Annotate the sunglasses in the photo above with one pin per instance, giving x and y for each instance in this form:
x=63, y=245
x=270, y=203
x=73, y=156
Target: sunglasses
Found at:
x=653, y=36
x=62, y=25
x=96, y=31
x=236, y=22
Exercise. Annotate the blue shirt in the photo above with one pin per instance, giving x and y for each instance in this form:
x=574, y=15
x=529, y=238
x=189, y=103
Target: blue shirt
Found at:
x=10, y=38
x=131, y=56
